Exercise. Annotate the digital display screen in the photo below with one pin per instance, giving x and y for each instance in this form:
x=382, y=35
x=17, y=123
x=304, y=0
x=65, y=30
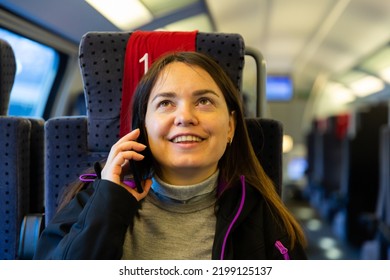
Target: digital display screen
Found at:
x=279, y=88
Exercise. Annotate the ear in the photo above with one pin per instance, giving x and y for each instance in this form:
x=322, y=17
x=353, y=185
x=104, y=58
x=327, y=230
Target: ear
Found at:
x=232, y=125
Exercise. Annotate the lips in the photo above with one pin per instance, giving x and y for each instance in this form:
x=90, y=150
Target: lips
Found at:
x=186, y=138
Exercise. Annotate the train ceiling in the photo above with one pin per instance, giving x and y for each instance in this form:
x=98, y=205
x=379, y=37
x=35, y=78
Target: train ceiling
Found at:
x=303, y=38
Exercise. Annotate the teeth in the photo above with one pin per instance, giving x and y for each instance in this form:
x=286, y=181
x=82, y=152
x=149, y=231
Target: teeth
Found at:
x=186, y=138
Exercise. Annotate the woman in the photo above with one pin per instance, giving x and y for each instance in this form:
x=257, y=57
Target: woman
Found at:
x=200, y=192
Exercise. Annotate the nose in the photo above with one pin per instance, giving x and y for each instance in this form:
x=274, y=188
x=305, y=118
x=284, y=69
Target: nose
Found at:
x=186, y=115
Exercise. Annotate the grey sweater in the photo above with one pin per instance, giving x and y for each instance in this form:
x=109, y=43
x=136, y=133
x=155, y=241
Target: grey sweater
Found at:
x=175, y=222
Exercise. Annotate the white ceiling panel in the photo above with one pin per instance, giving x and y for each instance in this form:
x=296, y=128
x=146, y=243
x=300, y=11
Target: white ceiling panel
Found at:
x=305, y=37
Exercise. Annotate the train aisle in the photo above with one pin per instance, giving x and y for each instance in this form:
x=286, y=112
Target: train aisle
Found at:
x=322, y=243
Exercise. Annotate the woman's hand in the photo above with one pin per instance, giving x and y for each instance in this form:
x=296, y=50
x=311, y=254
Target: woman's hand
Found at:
x=117, y=164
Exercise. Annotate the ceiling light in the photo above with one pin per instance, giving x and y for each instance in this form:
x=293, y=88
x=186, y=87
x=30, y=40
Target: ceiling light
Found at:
x=161, y=8
x=385, y=74
x=125, y=14
x=366, y=86
x=288, y=143
x=199, y=22
x=339, y=93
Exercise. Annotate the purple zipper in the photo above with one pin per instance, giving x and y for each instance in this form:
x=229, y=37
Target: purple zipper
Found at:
x=283, y=250
x=242, y=178
x=91, y=177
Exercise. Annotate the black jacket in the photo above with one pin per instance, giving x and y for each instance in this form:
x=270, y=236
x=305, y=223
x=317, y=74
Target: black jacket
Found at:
x=94, y=223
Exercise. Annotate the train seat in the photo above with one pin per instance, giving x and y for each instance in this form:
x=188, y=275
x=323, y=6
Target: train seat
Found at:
x=22, y=149
x=378, y=248
x=315, y=170
x=266, y=136
x=73, y=144
x=333, y=141
x=14, y=159
x=7, y=75
x=360, y=182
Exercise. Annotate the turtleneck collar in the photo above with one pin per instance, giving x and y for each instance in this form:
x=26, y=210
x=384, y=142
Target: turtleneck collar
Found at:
x=174, y=197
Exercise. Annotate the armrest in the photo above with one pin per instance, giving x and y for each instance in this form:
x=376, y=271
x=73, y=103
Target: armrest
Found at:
x=32, y=226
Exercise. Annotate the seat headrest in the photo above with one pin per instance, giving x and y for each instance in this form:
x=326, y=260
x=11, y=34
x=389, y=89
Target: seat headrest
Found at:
x=143, y=48
x=7, y=75
x=101, y=60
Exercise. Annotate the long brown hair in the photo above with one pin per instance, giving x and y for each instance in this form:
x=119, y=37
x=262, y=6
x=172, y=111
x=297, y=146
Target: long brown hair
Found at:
x=238, y=159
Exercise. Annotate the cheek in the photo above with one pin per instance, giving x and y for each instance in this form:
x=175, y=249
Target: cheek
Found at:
x=222, y=128
x=150, y=128
x=155, y=127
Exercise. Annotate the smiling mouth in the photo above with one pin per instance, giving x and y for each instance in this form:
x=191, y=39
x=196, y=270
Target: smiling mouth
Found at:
x=186, y=139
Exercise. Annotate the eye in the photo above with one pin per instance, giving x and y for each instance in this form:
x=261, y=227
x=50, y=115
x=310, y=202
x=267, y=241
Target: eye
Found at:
x=164, y=103
x=204, y=101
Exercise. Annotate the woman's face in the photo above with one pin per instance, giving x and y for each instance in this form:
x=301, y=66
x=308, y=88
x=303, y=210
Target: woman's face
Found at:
x=188, y=124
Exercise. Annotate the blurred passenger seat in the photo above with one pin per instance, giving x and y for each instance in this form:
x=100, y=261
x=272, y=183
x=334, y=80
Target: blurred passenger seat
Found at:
x=14, y=160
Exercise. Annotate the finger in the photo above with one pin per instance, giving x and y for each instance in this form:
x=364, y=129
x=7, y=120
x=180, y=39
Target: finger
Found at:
x=124, y=157
x=123, y=145
x=121, y=159
x=124, y=148
x=126, y=151
x=114, y=168
x=130, y=145
x=125, y=165
x=133, y=135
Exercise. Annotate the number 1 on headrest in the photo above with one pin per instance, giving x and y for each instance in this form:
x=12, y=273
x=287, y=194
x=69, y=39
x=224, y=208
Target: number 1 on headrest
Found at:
x=145, y=60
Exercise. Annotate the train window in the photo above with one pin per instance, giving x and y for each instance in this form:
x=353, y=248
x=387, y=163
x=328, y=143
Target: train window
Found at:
x=37, y=66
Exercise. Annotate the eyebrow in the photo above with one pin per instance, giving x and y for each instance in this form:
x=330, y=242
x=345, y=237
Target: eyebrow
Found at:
x=164, y=94
x=195, y=93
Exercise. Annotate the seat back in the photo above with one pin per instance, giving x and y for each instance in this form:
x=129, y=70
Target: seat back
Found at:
x=378, y=248
x=21, y=157
x=33, y=221
x=266, y=136
x=7, y=77
x=14, y=159
x=383, y=199
x=361, y=181
x=74, y=143
x=14, y=181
